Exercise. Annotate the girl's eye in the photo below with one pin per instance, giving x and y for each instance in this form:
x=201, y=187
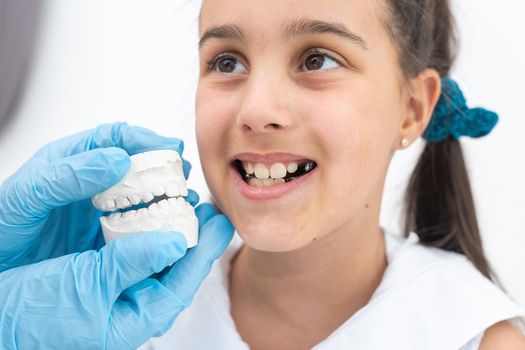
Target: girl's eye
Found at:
x=317, y=59
x=226, y=63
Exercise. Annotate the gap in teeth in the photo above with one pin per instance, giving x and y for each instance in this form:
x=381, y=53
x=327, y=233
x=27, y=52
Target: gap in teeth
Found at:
x=128, y=205
x=156, y=200
x=159, y=203
x=127, y=200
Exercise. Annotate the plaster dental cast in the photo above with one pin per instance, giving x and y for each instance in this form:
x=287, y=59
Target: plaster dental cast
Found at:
x=61, y=287
x=152, y=174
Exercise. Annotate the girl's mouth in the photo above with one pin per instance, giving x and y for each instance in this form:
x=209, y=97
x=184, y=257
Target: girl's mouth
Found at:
x=261, y=175
x=264, y=181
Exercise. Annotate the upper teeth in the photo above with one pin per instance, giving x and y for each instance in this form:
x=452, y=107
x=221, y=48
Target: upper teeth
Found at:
x=151, y=174
x=114, y=200
x=275, y=171
x=292, y=167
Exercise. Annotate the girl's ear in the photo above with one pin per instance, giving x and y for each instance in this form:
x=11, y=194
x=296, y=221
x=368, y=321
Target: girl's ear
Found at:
x=422, y=96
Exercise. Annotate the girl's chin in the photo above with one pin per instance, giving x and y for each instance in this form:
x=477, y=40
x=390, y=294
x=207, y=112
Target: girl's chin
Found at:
x=271, y=240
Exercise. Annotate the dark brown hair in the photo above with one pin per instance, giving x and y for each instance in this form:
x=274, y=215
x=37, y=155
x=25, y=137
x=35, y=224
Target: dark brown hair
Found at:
x=438, y=201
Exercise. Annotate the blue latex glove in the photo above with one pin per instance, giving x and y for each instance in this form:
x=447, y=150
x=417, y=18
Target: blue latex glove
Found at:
x=104, y=299
x=45, y=207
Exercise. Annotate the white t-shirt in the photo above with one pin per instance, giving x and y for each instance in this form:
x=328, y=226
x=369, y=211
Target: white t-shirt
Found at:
x=428, y=298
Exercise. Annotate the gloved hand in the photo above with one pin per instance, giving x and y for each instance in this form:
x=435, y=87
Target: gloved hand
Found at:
x=45, y=207
x=76, y=301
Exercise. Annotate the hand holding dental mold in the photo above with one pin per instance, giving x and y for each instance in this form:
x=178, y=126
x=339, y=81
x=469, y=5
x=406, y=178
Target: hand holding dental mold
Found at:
x=58, y=289
x=113, y=298
x=152, y=175
x=45, y=207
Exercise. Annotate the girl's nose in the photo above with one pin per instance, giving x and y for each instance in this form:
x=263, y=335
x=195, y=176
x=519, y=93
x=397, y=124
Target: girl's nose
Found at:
x=265, y=107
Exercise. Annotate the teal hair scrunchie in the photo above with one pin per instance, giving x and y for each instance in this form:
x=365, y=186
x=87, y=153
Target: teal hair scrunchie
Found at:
x=452, y=117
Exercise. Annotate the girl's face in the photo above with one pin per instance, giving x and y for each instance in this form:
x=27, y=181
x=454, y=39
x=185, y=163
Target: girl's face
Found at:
x=291, y=81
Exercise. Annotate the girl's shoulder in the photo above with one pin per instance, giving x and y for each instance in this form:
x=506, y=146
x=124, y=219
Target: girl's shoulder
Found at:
x=428, y=298
x=451, y=276
x=409, y=259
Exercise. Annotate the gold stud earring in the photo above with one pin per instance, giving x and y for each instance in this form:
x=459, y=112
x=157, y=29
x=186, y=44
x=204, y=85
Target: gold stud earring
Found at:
x=404, y=142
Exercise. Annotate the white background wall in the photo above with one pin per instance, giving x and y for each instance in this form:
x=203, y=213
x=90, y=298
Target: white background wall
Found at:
x=101, y=61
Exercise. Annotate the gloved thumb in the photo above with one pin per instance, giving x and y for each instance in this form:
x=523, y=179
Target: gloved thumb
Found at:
x=129, y=260
x=148, y=308
x=184, y=278
x=45, y=186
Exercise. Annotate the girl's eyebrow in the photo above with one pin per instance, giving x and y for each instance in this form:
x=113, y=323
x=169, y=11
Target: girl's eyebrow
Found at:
x=295, y=28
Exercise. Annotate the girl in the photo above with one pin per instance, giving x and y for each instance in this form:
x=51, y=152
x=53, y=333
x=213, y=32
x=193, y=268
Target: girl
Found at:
x=300, y=108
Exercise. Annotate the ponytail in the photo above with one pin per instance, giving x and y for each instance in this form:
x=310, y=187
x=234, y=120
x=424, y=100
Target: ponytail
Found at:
x=439, y=205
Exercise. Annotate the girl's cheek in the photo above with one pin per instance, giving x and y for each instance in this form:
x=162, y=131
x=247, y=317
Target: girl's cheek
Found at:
x=208, y=120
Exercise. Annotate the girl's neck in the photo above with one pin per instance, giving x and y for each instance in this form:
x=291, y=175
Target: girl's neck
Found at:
x=313, y=289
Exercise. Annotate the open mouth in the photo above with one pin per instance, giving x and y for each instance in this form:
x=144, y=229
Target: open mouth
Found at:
x=277, y=173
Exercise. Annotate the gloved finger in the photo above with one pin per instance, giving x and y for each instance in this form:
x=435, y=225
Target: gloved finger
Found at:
x=186, y=167
x=192, y=197
x=39, y=189
x=133, y=139
x=146, y=309
x=129, y=260
x=205, y=212
x=184, y=278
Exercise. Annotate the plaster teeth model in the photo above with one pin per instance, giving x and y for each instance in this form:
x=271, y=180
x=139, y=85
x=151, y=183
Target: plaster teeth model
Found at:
x=154, y=173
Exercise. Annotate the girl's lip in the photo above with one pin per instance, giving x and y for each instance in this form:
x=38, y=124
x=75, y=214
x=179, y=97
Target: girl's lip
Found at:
x=268, y=192
x=270, y=157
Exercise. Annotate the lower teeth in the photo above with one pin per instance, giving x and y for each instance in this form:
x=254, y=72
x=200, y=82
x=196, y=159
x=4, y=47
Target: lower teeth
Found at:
x=265, y=182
